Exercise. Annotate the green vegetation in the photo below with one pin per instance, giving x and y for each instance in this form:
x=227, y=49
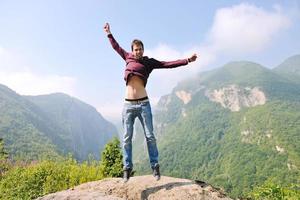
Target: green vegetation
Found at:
x=26, y=132
x=271, y=191
x=3, y=153
x=112, y=159
x=34, y=180
x=29, y=181
x=3, y=159
x=235, y=151
x=78, y=124
x=290, y=68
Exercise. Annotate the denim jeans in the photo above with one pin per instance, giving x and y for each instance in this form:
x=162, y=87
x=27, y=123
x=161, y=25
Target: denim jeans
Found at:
x=141, y=110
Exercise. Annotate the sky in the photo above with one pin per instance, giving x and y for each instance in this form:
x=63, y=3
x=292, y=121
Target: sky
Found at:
x=49, y=46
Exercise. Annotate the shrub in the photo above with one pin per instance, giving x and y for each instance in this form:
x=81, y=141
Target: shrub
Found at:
x=111, y=159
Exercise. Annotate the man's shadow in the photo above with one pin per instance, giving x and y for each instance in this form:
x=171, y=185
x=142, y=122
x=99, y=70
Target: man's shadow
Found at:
x=147, y=192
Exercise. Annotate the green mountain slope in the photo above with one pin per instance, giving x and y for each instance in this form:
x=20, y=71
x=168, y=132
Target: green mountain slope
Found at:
x=84, y=129
x=51, y=126
x=290, y=68
x=236, y=126
x=26, y=130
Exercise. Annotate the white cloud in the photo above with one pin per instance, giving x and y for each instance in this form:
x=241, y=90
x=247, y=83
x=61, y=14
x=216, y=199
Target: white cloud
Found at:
x=28, y=83
x=245, y=28
x=17, y=75
x=1, y=51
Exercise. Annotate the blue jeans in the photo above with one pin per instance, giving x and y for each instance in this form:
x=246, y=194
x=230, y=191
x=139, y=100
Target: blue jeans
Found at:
x=142, y=110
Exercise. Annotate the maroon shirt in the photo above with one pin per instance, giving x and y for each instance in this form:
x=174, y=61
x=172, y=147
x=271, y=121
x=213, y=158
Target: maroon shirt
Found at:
x=142, y=67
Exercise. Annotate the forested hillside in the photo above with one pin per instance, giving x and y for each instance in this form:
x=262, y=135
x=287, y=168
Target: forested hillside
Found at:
x=51, y=126
x=237, y=127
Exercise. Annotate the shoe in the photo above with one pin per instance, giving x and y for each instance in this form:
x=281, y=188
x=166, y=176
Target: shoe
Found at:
x=126, y=174
x=156, y=172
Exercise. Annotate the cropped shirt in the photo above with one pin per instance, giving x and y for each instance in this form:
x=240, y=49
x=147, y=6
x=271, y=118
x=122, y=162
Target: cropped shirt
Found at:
x=141, y=67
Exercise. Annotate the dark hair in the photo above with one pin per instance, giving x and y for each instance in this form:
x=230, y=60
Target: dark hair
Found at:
x=136, y=42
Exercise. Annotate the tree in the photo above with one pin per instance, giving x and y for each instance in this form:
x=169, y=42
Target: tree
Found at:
x=3, y=154
x=3, y=158
x=272, y=191
x=111, y=159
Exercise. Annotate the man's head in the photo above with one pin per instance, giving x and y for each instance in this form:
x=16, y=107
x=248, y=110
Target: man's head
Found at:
x=137, y=48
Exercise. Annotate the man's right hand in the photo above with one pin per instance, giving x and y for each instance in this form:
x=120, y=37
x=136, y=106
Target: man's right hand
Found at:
x=107, y=28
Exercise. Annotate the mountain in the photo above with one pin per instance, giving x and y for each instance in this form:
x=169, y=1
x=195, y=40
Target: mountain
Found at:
x=26, y=130
x=84, y=129
x=290, y=68
x=235, y=127
x=50, y=126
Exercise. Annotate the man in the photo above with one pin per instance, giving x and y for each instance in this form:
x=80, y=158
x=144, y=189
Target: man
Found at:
x=137, y=71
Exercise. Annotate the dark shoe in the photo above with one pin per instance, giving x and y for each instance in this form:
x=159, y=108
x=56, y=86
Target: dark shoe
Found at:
x=126, y=174
x=156, y=172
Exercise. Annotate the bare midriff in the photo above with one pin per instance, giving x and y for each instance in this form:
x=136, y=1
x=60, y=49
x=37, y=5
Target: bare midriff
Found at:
x=135, y=88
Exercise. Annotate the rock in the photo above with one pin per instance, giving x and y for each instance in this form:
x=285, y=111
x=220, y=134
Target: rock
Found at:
x=140, y=188
x=235, y=97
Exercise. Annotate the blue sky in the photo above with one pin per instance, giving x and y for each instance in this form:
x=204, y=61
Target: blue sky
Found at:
x=51, y=46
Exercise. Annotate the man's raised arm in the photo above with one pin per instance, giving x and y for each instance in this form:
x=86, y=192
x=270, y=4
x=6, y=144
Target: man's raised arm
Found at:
x=114, y=43
x=176, y=63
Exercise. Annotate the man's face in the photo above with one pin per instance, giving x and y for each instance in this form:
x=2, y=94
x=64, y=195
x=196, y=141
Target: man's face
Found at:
x=137, y=51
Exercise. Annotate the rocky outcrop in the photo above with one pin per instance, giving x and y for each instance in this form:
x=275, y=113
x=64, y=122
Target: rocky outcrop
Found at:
x=141, y=188
x=235, y=97
x=184, y=96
